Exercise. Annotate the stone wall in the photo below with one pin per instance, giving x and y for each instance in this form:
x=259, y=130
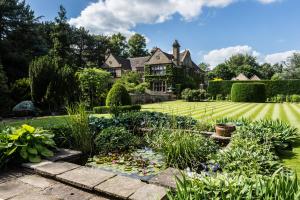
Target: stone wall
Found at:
x=150, y=98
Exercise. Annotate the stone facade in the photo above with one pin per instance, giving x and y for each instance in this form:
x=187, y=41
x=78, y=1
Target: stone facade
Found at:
x=165, y=73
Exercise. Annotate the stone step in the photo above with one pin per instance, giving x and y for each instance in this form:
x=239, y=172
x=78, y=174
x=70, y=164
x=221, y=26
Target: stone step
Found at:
x=97, y=180
x=167, y=178
x=66, y=155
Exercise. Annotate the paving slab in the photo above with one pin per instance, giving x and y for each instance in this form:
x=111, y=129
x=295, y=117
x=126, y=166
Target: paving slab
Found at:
x=166, y=178
x=33, y=166
x=55, y=168
x=149, y=192
x=85, y=177
x=37, y=181
x=13, y=188
x=65, y=155
x=34, y=196
x=66, y=192
x=120, y=186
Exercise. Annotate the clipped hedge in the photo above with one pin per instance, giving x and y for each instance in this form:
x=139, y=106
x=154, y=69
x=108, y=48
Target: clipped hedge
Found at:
x=108, y=109
x=118, y=96
x=285, y=87
x=248, y=92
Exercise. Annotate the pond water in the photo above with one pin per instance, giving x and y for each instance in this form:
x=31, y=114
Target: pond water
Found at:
x=141, y=163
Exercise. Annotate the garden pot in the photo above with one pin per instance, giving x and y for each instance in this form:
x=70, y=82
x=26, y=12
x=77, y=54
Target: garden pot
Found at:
x=224, y=130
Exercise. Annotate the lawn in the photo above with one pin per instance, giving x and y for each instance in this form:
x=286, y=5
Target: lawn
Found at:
x=213, y=110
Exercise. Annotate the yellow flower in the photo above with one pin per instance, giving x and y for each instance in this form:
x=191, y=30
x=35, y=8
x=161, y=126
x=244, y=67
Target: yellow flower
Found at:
x=28, y=128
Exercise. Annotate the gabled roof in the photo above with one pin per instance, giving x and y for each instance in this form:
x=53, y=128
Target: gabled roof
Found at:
x=255, y=78
x=138, y=62
x=124, y=62
x=241, y=77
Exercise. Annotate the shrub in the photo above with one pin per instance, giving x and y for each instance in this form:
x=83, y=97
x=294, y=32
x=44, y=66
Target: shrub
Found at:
x=115, y=139
x=28, y=142
x=277, y=133
x=193, y=95
x=183, y=149
x=273, y=87
x=248, y=92
x=224, y=186
x=295, y=98
x=118, y=96
x=20, y=90
x=79, y=123
x=137, y=120
x=121, y=109
x=94, y=84
x=248, y=156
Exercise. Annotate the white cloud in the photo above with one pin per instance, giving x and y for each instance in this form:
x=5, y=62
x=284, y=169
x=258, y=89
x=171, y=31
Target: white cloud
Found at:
x=217, y=56
x=279, y=57
x=112, y=16
x=268, y=1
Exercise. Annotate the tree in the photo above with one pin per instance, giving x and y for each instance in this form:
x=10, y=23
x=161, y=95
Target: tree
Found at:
x=222, y=71
x=292, y=67
x=137, y=46
x=101, y=45
x=118, y=45
x=93, y=84
x=266, y=71
x=133, y=82
x=4, y=93
x=204, y=66
x=19, y=38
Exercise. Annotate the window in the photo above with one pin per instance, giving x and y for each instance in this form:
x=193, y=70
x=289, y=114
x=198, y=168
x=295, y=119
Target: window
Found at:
x=159, y=86
x=158, y=70
x=113, y=72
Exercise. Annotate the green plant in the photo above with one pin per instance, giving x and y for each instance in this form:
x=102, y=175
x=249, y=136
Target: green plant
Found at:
x=20, y=90
x=224, y=186
x=295, y=98
x=115, y=139
x=247, y=156
x=94, y=84
x=79, y=123
x=273, y=87
x=118, y=96
x=30, y=143
x=183, y=149
x=275, y=132
x=120, y=109
x=193, y=95
x=248, y=92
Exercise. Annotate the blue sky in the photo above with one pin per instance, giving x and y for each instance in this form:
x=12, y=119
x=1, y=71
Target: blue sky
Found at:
x=212, y=29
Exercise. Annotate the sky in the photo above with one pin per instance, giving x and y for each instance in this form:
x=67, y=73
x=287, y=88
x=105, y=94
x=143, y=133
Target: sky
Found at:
x=213, y=30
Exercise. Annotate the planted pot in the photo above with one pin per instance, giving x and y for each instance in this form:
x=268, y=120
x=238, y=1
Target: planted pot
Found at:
x=224, y=130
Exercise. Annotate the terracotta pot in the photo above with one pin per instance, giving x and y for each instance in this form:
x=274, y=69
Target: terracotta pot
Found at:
x=224, y=130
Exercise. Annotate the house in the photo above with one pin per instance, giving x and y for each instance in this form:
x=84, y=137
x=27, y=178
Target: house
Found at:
x=242, y=77
x=163, y=71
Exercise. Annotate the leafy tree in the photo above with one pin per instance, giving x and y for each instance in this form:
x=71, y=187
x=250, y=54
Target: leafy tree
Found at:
x=94, y=84
x=20, y=90
x=137, y=46
x=118, y=45
x=204, y=66
x=222, y=71
x=19, y=38
x=133, y=82
x=101, y=45
x=266, y=71
x=4, y=91
x=292, y=68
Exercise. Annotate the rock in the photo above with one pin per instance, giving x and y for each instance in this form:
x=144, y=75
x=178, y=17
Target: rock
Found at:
x=25, y=108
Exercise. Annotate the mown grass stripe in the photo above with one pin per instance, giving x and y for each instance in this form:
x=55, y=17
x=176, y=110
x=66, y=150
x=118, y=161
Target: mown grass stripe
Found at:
x=263, y=113
x=252, y=115
x=206, y=110
x=276, y=112
x=293, y=115
x=224, y=113
x=238, y=113
x=282, y=113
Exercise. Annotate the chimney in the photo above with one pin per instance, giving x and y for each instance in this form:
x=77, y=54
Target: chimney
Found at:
x=176, y=52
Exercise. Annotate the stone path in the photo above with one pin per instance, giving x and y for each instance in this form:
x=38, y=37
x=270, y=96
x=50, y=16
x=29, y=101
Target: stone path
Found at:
x=64, y=180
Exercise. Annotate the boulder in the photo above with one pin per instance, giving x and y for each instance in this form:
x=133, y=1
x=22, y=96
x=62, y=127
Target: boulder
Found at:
x=25, y=108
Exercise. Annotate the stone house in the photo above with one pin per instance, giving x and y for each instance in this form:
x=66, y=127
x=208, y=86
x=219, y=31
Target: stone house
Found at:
x=163, y=71
x=242, y=77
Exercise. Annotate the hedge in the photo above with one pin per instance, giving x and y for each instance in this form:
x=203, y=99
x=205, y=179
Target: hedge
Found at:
x=285, y=87
x=248, y=92
x=118, y=96
x=108, y=109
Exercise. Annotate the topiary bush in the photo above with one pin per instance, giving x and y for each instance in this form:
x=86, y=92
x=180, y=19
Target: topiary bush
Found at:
x=248, y=92
x=118, y=96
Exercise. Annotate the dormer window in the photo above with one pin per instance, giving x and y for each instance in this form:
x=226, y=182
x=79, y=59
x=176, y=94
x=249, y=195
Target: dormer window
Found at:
x=158, y=70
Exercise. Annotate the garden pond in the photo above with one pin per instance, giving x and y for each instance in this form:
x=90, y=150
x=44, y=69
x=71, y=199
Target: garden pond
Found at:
x=140, y=163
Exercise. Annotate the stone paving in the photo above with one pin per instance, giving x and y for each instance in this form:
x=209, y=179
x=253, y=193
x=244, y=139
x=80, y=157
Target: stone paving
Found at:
x=64, y=180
